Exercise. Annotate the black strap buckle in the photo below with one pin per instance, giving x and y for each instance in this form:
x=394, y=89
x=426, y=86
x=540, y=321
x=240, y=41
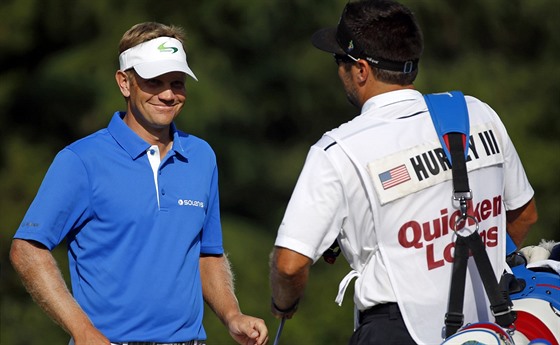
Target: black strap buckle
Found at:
x=454, y=319
x=500, y=309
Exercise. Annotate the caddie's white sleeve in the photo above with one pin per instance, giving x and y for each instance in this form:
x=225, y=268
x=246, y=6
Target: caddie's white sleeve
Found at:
x=316, y=209
x=517, y=189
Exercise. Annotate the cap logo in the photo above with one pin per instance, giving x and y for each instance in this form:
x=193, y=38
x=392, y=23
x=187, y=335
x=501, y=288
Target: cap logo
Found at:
x=351, y=45
x=163, y=49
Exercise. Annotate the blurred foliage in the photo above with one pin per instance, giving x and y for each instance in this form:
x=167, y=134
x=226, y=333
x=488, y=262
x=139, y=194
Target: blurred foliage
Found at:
x=264, y=96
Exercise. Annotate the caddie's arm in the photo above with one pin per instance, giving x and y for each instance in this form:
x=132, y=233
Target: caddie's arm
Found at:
x=519, y=221
x=289, y=271
x=218, y=291
x=43, y=280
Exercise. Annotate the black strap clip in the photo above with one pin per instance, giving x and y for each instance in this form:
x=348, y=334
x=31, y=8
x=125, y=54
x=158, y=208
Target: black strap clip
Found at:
x=332, y=253
x=463, y=197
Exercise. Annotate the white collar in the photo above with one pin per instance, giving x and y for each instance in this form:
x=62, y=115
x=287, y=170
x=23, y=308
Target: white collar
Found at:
x=390, y=98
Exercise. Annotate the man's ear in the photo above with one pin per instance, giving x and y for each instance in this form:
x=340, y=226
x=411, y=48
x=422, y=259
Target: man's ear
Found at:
x=123, y=81
x=362, y=71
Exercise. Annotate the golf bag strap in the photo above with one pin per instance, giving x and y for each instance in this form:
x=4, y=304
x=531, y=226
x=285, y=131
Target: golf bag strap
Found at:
x=450, y=117
x=500, y=305
x=458, y=165
x=451, y=121
x=454, y=317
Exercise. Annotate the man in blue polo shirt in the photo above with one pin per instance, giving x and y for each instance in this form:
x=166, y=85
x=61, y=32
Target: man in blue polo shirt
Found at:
x=138, y=204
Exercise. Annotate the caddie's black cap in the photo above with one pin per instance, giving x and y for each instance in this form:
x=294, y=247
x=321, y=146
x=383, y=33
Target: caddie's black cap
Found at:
x=341, y=41
x=326, y=40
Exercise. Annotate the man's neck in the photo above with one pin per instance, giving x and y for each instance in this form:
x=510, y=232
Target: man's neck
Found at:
x=161, y=137
x=379, y=88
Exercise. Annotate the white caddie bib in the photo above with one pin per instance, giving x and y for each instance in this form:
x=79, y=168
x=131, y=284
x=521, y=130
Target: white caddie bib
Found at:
x=410, y=196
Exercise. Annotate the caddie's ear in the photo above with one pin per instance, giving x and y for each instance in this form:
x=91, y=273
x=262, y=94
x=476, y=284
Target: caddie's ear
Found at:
x=362, y=70
x=123, y=81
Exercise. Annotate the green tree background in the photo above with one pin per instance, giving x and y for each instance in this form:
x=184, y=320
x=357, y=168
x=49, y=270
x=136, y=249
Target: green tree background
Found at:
x=264, y=96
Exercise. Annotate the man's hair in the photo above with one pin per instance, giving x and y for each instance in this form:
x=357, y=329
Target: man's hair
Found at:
x=143, y=32
x=388, y=30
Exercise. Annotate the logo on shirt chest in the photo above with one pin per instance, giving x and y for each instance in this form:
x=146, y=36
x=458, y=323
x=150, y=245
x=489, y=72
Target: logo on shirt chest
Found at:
x=189, y=202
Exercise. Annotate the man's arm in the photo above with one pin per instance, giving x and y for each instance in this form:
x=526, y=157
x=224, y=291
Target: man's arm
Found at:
x=218, y=291
x=41, y=277
x=289, y=271
x=519, y=221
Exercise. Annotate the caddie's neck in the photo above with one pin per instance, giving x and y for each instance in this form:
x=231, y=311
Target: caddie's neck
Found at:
x=361, y=84
x=379, y=88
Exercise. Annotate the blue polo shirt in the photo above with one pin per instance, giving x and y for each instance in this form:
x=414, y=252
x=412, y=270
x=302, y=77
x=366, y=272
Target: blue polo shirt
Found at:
x=134, y=261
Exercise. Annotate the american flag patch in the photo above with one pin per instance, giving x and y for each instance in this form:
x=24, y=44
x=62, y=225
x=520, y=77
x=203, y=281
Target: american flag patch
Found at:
x=393, y=177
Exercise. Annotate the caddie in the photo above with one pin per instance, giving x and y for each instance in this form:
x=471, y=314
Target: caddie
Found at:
x=381, y=186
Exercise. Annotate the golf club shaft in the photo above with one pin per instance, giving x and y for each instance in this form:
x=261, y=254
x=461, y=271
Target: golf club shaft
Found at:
x=279, y=331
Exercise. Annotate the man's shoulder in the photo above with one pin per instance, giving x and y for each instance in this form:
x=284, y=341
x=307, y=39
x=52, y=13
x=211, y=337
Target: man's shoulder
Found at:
x=89, y=142
x=193, y=144
x=324, y=143
x=191, y=139
x=477, y=104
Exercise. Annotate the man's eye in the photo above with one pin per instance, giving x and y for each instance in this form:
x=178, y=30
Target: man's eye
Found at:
x=178, y=84
x=153, y=82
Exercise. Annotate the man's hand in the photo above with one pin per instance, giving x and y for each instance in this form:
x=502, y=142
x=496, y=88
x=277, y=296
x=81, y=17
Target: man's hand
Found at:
x=248, y=330
x=217, y=288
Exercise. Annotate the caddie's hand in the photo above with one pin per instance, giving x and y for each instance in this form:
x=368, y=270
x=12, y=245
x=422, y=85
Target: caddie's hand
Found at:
x=248, y=330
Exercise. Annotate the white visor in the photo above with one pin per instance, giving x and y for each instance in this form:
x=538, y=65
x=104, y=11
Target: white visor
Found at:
x=156, y=57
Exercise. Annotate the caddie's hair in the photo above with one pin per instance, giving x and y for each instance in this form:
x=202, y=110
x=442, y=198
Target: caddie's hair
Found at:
x=146, y=31
x=386, y=29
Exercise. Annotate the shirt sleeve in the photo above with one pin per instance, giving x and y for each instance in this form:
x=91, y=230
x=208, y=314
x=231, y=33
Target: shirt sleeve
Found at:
x=61, y=203
x=517, y=189
x=315, y=212
x=212, y=232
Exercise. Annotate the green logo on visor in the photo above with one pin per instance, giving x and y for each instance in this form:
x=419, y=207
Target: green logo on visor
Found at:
x=163, y=49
